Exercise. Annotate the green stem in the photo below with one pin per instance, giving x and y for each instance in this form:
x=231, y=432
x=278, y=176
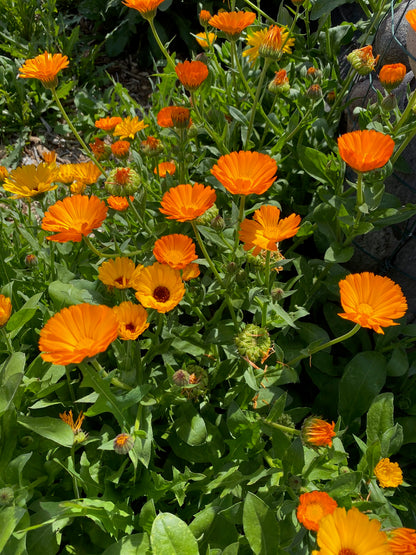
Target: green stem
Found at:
x=102, y=254
x=267, y=272
x=161, y=46
x=365, y=8
x=74, y=478
x=344, y=337
x=213, y=134
x=280, y=427
x=205, y=253
x=7, y=340
x=76, y=134
x=259, y=11
x=406, y=113
x=339, y=97
x=240, y=219
x=403, y=146
x=256, y=99
x=71, y=389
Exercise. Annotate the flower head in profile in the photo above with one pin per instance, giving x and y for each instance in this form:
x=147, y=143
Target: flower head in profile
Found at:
x=351, y=533
x=98, y=148
x=388, y=474
x=176, y=250
x=276, y=42
x=152, y=146
x=132, y=320
x=362, y=60
x=191, y=74
x=280, y=82
x=128, y=127
x=77, y=332
x=85, y=172
x=119, y=203
x=371, y=301
x=44, y=67
x=254, y=39
x=146, y=8
x=30, y=181
x=174, y=116
x=232, y=23
x=120, y=148
x=108, y=123
x=391, y=75
x=313, y=506
x=165, y=168
x=411, y=18
x=204, y=17
x=117, y=272
x=205, y=39
x=49, y=157
x=317, y=432
x=74, y=218
x=5, y=309
x=365, y=150
x=68, y=418
x=4, y=172
x=266, y=229
x=245, y=173
x=159, y=286
x=186, y=202
x=191, y=271
x=123, y=443
x=402, y=541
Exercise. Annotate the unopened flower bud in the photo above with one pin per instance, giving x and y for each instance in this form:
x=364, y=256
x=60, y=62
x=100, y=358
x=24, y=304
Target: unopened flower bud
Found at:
x=31, y=260
x=181, y=378
x=253, y=342
x=314, y=74
x=204, y=17
x=392, y=75
x=314, y=92
x=123, y=443
x=280, y=83
x=277, y=293
x=217, y=223
x=241, y=276
x=330, y=97
x=207, y=216
x=389, y=103
x=122, y=182
x=232, y=268
x=151, y=146
x=6, y=496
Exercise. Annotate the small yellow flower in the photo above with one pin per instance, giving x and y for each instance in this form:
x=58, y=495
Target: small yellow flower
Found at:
x=202, y=40
x=129, y=127
x=5, y=309
x=255, y=40
x=388, y=474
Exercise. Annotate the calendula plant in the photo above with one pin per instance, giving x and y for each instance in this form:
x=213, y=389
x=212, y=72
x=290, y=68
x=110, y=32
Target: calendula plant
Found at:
x=187, y=366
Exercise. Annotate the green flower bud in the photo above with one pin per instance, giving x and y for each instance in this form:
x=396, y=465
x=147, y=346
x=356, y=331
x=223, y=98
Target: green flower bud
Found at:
x=6, y=496
x=181, y=378
x=207, y=216
x=122, y=182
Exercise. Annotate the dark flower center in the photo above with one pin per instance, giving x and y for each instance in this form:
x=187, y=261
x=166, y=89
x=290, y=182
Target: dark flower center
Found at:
x=130, y=327
x=119, y=280
x=347, y=551
x=161, y=294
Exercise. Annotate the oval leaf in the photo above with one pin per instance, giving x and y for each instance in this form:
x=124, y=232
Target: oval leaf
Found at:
x=170, y=535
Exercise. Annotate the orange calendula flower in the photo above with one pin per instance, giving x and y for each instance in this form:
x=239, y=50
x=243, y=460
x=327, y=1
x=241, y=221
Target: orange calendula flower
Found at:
x=362, y=60
x=173, y=116
x=204, y=17
x=5, y=309
x=49, y=157
x=77, y=332
x=351, y=533
x=146, y=8
x=266, y=229
x=128, y=127
x=280, y=82
x=191, y=74
x=159, y=286
x=165, y=168
x=98, y=148
x=132, y=320
x=245, y=173
x=30, y=181
x=317, y=432
x=191, y=271
x=152, y=146
x=44, y=67
x=74, y=218
x=108, y=124
x=68, y=418
x=402, y=541
x=365, y=150
x=120, y=148
x=388, y=474
x=313, y=506
x=205, y=39
x=3, y=173
x=176, y=250
x=232, y=23
x=254, y=39
x=392, y=75
x=85, y=172
x=119, y=203
x=371, y=301
x=276, y=42
x=186, y=202
x=411, y=18
x=117, y=272
x=66, y=173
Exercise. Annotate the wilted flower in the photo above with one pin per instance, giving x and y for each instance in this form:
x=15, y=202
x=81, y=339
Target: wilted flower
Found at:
x=280, y=82
x=362, y=60
x=44, y=67
x=98, y=148
x=75, y=426
x=388, y=474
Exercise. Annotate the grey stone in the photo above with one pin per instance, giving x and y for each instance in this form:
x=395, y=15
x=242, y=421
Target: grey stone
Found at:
x=390, y=39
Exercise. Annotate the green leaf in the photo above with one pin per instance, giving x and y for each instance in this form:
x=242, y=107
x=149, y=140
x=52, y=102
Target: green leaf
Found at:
x=9, y=518
x=136, y=544
x=190, y=426
x=398, y=363
x=380, y=417
x=50, y=428
x=171, y=536
x=338, y=253
x=324, y=7
x=11, y=375
x=345, y=484
x=363, y=378
x=260, y=526
x=24, y=315
x=315, y=163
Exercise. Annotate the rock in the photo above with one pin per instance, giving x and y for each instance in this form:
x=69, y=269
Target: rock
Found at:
x=390, y=40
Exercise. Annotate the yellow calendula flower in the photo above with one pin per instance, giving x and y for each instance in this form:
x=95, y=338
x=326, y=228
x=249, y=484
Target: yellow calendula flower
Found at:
x=254, y=40
x=30, y=181
x=129, y=127
x=5, y=309
x=388, y=474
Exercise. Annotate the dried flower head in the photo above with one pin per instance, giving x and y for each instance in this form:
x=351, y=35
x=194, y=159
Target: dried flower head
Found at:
x=362, y=60
x=74, y=217
x=388, y=474
x=191, y=74
x=371, y=301
x=317, y=432
x=313, y=506
x=253, y=342
x=365, y=150
x=77, y=332
x=44, y=67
